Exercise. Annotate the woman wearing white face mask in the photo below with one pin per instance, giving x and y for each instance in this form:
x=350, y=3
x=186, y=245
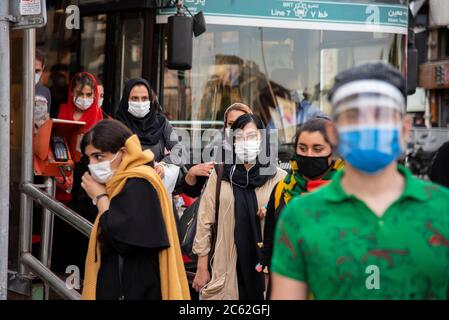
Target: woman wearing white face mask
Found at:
x=82, y=102
x=133, y=250
x=140, y=112
x=82, y=105
x=245, y=188
x=196, y=177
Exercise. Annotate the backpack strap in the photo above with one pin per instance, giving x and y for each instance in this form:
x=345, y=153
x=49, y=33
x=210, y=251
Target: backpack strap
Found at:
x=219, y=168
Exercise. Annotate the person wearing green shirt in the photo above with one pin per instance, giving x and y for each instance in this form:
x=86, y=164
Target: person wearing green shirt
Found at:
x=376, y=231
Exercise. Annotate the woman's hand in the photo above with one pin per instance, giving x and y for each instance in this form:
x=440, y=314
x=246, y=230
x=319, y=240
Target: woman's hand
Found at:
x=202, y=277
x=199, y=170
x=92, y=187
x=160, y=170
x=262, y=213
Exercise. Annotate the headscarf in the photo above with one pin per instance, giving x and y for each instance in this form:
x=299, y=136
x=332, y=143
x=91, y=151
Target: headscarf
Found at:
x=90, y=116
x=173, y=279
x=150, y=128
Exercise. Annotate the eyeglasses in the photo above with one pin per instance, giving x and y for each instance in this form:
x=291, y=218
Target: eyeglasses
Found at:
x=250, y=136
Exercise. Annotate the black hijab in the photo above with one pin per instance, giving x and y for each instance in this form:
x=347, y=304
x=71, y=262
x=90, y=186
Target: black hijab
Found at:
x=150, y=128
x=247, y=232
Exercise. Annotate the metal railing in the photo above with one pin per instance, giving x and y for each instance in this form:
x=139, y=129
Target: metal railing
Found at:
x=73, y=219
x=67, y=215
x=4, y=142
x=63, y=212
x=49, y=277
x=41, y=268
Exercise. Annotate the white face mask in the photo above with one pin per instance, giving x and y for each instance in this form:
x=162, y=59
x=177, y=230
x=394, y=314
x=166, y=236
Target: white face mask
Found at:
x=37, y=77
x=247, y=151
x=139, y=109
x=101, y=171
x=83, y=103
x=100, y=102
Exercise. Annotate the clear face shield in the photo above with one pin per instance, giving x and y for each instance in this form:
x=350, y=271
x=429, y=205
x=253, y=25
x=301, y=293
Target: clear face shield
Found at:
x=370, y=130
x=367, y=110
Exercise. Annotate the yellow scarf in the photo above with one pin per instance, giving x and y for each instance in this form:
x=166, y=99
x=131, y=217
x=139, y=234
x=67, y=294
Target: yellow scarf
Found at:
x=174, y=284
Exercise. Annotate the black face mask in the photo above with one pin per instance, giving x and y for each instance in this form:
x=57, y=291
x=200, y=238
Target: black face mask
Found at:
x=311, y=167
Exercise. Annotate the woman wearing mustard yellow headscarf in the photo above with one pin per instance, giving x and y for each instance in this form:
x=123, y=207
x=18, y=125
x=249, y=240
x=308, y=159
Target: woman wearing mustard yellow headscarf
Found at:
x=134, y=251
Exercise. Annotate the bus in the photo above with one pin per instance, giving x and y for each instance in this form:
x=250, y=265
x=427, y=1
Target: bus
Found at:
x=276, y=56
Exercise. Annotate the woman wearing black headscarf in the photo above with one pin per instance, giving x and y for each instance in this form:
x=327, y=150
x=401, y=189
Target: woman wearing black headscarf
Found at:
x=140, y=111
x=245, y=189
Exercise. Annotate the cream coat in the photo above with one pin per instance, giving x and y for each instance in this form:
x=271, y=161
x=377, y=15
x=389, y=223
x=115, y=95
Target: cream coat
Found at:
x=223, y=283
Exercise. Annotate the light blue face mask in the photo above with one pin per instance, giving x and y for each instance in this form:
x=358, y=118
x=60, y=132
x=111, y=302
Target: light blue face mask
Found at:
x=37, y=78
x=370, y=149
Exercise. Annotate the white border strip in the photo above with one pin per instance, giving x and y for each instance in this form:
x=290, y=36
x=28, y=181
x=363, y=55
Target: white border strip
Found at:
x=368, y=86
x=362, y=102
x=293, y=24
x=369, y=126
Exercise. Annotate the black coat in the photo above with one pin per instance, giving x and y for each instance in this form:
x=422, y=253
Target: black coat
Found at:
x=133, y=228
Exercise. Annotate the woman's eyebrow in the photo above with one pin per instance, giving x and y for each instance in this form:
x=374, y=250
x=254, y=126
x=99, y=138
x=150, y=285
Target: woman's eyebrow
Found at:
x=94, y=154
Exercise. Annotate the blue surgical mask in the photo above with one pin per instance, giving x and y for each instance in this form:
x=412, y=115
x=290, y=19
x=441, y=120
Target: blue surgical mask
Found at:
x=37, y=78
x=370, y=149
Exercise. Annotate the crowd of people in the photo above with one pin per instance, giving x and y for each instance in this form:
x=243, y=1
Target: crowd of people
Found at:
x=346, y=222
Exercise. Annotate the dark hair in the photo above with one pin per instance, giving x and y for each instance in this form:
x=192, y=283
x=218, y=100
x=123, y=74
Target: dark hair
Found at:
x=313, y=125
x=242, y=121
x=246, y=118
x=40, y=56
x=107, y=135
x=99, y=82
x=82, y=80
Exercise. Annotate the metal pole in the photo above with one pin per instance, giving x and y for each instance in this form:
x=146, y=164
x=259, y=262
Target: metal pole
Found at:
x=47, y=232
x=49, y=277
x=4, y=146
x=26, y=204
x=66, y=214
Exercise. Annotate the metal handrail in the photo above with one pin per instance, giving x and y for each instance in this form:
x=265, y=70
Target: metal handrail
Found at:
x=67, y=215
x=63, y=212
x=48, y=276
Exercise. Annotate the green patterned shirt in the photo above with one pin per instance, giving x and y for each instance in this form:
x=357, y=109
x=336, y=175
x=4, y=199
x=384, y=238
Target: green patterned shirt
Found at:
x=333, y=242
